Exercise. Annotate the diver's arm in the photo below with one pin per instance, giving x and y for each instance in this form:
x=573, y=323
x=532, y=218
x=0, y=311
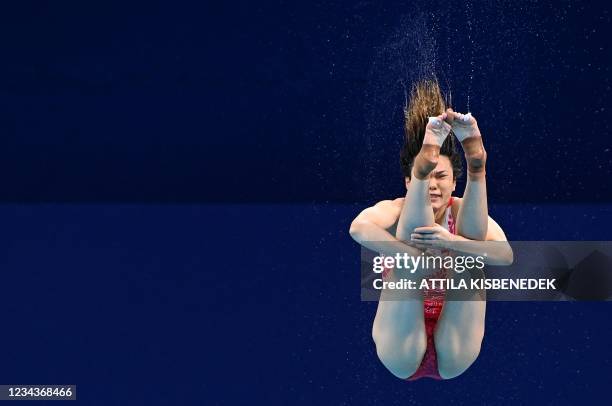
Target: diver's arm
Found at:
x=369, y=229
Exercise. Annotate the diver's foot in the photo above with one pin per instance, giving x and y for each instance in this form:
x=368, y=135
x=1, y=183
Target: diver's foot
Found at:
x=467, y=132
x=436, y=131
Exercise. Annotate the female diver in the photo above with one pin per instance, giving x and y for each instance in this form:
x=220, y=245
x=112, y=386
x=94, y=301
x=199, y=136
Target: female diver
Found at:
x=423, y=335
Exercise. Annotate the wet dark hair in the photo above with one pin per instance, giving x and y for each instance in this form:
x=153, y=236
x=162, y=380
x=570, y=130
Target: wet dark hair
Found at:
x=425, y=100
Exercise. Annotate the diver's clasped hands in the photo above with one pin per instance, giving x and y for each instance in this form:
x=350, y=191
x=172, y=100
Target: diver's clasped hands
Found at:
x=434, y=236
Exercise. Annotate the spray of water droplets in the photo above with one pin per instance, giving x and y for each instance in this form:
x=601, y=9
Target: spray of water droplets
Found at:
x=407, y=56
x=468, y=12
x=424, y=45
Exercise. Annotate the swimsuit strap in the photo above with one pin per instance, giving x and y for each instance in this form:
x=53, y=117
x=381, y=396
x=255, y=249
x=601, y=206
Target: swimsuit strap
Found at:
x=450, y=219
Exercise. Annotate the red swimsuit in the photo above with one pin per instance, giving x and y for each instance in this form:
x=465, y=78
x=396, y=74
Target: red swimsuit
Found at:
x=433, y=300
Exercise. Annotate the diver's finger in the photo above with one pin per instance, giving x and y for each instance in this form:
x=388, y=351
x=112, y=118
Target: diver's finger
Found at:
x=425, y=230
x=423, y=237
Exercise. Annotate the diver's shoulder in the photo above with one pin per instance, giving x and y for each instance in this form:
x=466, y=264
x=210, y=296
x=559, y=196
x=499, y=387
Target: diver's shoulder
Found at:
x=390, y=204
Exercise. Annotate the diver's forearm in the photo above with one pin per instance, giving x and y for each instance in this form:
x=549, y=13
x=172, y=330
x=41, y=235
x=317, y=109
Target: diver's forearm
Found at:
x=380, y=240
x=497, y=252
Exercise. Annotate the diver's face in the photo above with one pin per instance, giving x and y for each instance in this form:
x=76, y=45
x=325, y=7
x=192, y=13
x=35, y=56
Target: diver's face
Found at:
x=441, y=184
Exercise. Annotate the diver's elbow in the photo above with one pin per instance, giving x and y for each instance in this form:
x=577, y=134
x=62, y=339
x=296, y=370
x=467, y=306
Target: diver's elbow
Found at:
x=356, y=230
x=503, y=257
x=508, y=257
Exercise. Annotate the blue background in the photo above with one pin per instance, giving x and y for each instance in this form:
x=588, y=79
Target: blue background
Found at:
x=178, y=182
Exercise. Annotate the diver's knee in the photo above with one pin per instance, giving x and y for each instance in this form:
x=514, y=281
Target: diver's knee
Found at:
x=456, y=356
x=401, y=356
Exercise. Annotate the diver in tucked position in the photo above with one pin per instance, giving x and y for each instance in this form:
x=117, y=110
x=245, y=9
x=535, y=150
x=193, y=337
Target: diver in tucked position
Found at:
x=424, y=335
